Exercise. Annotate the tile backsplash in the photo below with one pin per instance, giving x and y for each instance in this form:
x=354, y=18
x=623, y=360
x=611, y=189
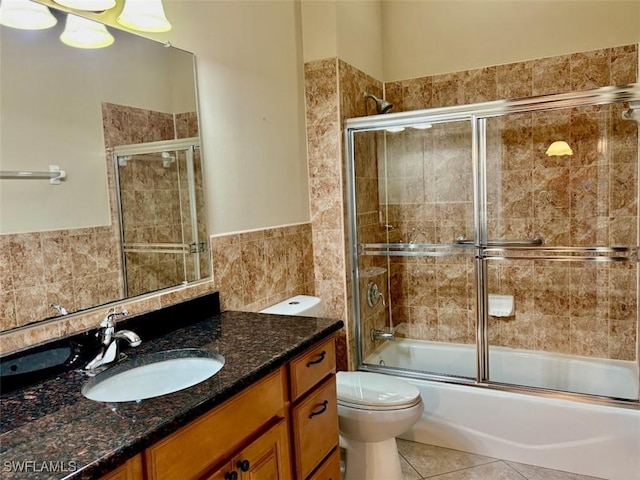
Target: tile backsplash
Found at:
x=252, y=271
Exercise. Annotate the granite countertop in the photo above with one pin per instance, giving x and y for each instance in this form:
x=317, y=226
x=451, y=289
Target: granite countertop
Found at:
x=50, y=431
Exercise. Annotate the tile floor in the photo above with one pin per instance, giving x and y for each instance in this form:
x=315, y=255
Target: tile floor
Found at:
x=421, y=461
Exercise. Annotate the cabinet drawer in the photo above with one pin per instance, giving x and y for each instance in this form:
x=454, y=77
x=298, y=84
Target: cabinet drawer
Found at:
x=190, y=451
x=311, y=367
x=315, y=427
x=330, y=468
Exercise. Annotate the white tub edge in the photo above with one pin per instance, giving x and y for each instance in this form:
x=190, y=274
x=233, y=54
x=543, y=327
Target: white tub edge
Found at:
x=586, y=439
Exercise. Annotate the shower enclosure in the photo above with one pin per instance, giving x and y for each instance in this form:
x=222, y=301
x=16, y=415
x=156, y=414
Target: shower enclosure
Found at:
x=493, y=259
x=161, y=211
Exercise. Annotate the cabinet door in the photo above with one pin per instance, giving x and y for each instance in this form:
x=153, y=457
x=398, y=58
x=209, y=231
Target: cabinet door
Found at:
x=227, y=472
x=217, y=435
x=267, y=458
x=132, y=470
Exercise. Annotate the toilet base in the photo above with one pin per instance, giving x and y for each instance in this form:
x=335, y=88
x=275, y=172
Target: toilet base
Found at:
x=371, y=460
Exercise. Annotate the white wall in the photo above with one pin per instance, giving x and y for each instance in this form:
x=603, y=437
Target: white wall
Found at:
x=50, y=113
x=249, y=63
x=348, y=29
x=423, y=38
x=359, y=29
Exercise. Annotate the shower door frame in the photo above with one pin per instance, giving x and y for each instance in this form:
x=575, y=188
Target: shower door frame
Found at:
x=477, y=114
x=188, y=145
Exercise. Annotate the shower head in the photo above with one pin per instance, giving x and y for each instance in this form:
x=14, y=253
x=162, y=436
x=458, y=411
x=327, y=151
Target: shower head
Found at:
x=382, y=106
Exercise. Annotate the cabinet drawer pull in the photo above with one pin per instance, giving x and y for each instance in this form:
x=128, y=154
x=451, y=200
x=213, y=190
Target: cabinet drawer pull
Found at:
x=233, y=475
x=243, y=465
x=319, y=360
x=323, y=408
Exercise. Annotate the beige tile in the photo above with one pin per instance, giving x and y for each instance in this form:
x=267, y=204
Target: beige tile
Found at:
x=590, y=69
x=491, y=471
x=408, y=472
x=532, y=472
x=429, y=460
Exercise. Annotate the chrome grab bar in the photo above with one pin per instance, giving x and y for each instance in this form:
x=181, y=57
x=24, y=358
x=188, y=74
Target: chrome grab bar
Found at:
x=535, y=242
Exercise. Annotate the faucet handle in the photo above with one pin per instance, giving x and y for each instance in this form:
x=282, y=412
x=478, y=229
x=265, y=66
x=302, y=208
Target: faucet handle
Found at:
x=109, y=320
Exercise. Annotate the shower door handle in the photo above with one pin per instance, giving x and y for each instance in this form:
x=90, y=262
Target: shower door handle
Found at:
x=532, y=242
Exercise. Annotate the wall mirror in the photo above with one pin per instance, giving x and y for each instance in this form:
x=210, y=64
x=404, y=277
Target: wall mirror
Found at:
x=128, y=216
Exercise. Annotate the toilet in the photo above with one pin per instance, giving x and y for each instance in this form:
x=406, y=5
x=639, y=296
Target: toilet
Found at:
x=372, y=409
x=301, y=305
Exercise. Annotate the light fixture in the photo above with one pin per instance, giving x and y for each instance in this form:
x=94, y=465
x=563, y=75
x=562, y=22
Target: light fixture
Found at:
x=558, y=149
x=422, y=126
x=81, y=32
x=144, y=15
x=395, y=129
x=26, y=15
x=89, y=5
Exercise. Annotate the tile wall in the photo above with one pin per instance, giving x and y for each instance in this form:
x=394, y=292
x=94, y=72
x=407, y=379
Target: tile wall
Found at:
x=590, y=199
x=155, y=198
x=334, y=91
x=252, y=270
x=74, y=268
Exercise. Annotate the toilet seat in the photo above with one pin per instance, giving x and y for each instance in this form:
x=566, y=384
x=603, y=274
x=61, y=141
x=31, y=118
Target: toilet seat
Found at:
x=374, y=391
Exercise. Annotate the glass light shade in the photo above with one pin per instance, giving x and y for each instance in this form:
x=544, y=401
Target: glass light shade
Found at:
x=89, y=5
x=81, y=32
x=144, y=16
x=422, y=126
x=26, y=15
x=558, y=149
x=395, y=129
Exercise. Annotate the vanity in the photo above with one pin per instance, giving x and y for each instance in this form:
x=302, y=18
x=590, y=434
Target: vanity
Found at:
x=270, y=412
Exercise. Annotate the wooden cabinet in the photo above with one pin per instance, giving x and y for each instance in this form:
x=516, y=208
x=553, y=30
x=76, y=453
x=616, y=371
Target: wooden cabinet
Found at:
x=330, y=468
x=196, y=448
x=132, y=470
x=267, y=458
x=283, y=427
x=314, y=365
x=314, y=411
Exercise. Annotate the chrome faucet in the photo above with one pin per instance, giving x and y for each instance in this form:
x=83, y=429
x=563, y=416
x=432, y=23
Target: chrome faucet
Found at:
x=382, y=335
x=109, y=341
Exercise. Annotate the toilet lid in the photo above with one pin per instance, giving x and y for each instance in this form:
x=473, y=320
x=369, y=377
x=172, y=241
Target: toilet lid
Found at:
x=374, y=391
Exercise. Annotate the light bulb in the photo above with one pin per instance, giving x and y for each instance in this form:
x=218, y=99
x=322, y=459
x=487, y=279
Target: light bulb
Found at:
x=81, y=32
x=144, y=16
x=25, y=15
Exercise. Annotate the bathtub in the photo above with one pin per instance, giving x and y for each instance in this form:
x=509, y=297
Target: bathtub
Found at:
x=583, y=438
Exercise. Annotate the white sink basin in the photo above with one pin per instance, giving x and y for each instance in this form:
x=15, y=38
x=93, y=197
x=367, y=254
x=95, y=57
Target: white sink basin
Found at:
x=153, y=375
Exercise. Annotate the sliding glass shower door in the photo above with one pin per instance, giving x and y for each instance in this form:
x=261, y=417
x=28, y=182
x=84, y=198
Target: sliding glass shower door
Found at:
x=161, y=208
x=482, y=254
x=417, y=199
x=562, y=299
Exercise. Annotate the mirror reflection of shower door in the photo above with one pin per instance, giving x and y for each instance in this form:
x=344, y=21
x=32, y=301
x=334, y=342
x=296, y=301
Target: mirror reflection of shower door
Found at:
x=414, y=197
x=573, y=326
x=161, y=212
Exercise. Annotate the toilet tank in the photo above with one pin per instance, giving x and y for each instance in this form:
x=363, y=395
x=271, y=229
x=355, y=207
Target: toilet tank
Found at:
x=302, y=305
